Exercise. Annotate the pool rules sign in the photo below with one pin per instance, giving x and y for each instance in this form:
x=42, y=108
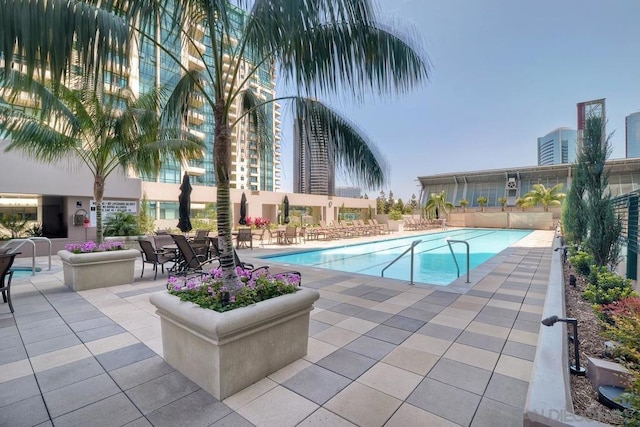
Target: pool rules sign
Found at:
x=109, y=207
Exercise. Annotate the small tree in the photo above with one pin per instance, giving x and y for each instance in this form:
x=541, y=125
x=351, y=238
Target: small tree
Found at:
x=438, y=203
x=146, y=223
x=413, y=203
x=523, y=203
x=604, y=228
x=503, y=202
x=464, y=203
x=482, y=201
x=541, y=195
x=574, y=209
x=16, y=224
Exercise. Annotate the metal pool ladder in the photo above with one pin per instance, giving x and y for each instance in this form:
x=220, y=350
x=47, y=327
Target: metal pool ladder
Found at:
x=449, y=242
x=413, y=245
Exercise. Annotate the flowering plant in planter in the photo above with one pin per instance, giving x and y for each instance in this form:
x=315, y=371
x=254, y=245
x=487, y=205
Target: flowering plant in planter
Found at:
x=89, y=247
x=208, y=291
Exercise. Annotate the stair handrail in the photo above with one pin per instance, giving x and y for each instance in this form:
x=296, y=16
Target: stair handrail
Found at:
x=413, y=245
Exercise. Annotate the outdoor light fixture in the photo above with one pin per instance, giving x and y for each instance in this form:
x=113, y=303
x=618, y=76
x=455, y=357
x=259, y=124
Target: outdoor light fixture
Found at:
x=572, y=280
x=564, y=250
x=550, y=321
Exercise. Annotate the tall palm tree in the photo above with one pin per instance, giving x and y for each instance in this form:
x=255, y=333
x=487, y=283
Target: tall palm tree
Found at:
x=105, y=132
x=541, y=195
x=438, y=203
x=320, y=48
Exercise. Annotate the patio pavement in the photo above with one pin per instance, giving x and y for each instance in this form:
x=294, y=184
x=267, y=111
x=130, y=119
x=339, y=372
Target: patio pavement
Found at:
x=381, y=352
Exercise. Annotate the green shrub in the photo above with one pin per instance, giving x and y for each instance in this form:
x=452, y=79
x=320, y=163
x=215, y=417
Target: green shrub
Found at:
x=582, y=262
x=606, y=287
x=121, y=224
x=395, y=215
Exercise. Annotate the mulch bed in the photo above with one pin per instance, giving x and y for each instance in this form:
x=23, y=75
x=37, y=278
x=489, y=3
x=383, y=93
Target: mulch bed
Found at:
x=585, y=397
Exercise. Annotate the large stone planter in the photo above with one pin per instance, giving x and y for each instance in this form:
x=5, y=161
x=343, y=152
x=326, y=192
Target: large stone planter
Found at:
x=225, y=352
x=98, y=269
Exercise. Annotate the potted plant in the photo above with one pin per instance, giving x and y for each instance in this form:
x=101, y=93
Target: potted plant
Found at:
x=238, y=339
x=395, y=221
x=89, y=265
x=464, y=203
x=503, y=202
x=482, y=201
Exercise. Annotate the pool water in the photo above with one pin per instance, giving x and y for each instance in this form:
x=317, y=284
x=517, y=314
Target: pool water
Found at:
x=20, y=272
x=433, y=262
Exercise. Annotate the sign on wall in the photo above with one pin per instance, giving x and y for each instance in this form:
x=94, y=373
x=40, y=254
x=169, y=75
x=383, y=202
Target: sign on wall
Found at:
x=109, y=207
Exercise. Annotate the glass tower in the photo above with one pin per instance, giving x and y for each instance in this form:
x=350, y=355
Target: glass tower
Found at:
x=632, y=135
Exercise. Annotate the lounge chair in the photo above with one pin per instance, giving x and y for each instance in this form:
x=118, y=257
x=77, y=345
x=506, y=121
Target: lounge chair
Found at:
x=6, y=260
x=189, y=261
x=154, y=256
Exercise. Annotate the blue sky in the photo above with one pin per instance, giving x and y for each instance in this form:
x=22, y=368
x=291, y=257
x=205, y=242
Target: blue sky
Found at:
x=503, y=74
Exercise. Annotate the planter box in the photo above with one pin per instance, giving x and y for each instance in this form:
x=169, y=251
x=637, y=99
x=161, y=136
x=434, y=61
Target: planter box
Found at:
x=130, y=242
x=395, y=225
x=226, y=352
x=98, y=269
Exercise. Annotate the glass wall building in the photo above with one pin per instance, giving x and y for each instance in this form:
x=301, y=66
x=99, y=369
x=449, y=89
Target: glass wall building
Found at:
x=557, y=147
x=313, y=165
x=632, y=135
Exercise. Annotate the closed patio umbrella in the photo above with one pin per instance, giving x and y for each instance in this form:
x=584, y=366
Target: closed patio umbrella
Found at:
x=243, y=210
x=286, y=209
x=184, y=210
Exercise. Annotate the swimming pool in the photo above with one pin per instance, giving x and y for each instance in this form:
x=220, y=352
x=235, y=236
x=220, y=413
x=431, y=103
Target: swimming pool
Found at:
x=20, y=272
x=433, y=262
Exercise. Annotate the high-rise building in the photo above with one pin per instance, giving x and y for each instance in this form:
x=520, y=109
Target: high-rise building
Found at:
x=632, y=135
x=589, y=109
x=255, y=166
x=557, y=147
x=313, y=165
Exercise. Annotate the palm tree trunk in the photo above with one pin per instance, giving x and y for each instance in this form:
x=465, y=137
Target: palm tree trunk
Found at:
x=98, y=194
x=222, y=165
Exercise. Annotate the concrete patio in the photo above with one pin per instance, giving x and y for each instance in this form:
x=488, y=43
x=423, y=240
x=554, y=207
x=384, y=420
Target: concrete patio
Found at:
x=381, y=352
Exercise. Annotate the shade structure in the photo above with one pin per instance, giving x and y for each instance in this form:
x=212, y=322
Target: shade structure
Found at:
x=286, y=209
x=243, y=210
x=184, y=209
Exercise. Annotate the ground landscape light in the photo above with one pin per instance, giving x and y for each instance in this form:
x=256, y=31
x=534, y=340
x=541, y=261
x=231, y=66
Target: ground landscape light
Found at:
x=550, y=321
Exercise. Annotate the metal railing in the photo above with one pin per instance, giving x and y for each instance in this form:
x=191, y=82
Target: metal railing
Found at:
x=413, y=245
x=31, y=240
x=449, y=242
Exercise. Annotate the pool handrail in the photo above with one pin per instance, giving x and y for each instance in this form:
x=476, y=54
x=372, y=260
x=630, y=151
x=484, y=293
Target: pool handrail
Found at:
x=30, y=240
x=413, y=245
x=449, y=242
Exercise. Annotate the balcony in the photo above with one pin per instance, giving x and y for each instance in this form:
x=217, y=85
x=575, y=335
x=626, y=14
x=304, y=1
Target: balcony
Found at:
x=195, y=118
x=200, y=135
x=194, y=170
x=195, y=63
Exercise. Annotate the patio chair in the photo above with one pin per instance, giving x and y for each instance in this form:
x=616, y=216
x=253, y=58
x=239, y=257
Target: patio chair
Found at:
x=244, y=239
x=161, y=240
x=189, y=261
x=260, y=234
x=290, y=235
x=153, y=256
x=6, y=260
x=248, y=266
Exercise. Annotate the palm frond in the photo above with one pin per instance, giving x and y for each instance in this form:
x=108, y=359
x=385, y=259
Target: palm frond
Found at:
x=347, y=146
x=43, y=35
